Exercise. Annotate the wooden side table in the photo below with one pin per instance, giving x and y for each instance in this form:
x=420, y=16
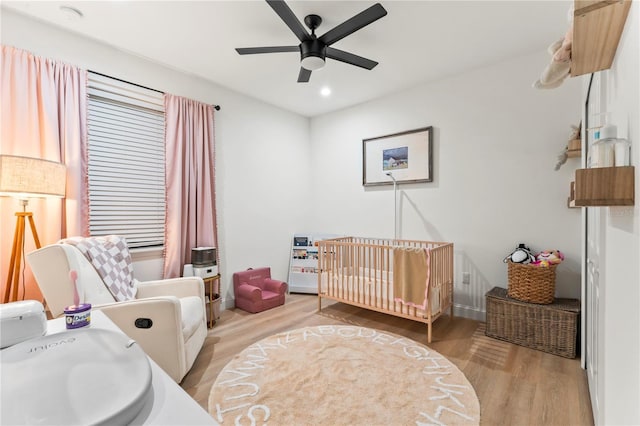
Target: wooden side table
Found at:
x=211, y=290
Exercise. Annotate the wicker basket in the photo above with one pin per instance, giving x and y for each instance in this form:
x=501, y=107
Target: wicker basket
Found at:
x=532, y=283
x=551, y=328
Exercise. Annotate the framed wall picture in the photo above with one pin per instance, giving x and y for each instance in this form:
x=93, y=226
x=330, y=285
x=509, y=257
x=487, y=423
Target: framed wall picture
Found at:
x=406, y=156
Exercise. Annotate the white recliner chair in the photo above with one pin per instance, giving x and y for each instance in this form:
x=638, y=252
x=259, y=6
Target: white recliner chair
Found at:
x=175, y=307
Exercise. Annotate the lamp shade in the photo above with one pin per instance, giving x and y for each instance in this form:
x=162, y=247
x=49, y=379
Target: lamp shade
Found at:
x=25, y=177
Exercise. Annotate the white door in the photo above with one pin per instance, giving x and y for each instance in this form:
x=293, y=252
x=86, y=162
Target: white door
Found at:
x=594, y=291
x=594, y=306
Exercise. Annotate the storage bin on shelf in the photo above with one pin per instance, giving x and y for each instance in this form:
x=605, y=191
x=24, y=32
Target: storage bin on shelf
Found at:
x=216, y=307
x=531, y=283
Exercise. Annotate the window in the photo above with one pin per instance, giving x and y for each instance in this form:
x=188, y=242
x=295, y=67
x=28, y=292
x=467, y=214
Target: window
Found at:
x=126, y=161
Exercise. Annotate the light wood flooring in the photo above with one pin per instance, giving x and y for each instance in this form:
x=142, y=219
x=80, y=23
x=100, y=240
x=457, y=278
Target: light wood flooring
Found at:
x=515, y=385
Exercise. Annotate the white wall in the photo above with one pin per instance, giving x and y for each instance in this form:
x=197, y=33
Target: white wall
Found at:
x=620, y=274
x=495, y=148
x=261, y=198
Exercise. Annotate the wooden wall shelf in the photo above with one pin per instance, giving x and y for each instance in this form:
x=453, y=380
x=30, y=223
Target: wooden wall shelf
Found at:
x=605, y=186
x=574, y=149
x=597, y=27
x=571, y=201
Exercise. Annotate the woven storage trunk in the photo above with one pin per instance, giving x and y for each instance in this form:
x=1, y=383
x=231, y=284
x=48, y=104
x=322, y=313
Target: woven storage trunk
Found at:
x=532, y=283
x=551, y=328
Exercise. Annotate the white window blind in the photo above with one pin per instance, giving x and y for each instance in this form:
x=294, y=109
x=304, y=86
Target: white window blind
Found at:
x=126, y=161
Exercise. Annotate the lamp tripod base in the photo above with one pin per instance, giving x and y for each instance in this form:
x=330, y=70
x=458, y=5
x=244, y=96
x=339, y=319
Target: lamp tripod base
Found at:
x=13, y=279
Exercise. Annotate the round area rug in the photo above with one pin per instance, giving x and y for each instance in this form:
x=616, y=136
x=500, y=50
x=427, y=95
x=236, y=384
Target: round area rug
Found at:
x=334, y=374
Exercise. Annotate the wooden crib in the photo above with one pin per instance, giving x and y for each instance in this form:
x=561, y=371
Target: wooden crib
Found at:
x=359, y=271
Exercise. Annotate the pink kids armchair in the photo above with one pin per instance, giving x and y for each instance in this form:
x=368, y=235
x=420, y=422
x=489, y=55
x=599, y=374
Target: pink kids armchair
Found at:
x=255, y=291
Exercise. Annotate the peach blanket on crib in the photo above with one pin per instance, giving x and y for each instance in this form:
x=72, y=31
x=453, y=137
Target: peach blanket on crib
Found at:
x=411, y=276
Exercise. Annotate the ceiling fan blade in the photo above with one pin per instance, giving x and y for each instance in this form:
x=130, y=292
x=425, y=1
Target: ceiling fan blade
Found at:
x=283, y=11
x=304, y=75
x=350, y=58
x=352, y=25
x=271, y=49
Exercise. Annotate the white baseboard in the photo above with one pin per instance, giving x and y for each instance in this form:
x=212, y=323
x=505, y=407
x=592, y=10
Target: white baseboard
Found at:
x=228, y=304
x=470, y=312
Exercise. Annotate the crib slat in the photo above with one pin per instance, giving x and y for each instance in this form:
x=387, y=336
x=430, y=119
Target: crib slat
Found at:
x=387, y=278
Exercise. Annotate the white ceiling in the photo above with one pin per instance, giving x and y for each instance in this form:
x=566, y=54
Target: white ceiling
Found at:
x=418, y=41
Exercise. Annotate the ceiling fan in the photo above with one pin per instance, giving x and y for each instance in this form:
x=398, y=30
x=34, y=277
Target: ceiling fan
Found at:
x=314, y=50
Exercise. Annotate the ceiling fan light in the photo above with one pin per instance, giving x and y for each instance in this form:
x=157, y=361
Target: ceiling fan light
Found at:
x=312, y=63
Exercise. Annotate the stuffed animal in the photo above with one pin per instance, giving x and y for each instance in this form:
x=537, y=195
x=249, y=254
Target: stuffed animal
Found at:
x=562, y=157
x=522, y=254
x=548, y=257
x=559, y=67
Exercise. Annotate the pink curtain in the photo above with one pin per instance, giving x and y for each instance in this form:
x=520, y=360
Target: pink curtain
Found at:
x=43, y=115
x=191, y=207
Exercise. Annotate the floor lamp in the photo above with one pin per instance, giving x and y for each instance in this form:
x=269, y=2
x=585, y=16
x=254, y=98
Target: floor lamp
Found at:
x=24, y=178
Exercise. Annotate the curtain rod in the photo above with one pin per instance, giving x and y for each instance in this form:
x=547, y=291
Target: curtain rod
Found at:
x=216, y=107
